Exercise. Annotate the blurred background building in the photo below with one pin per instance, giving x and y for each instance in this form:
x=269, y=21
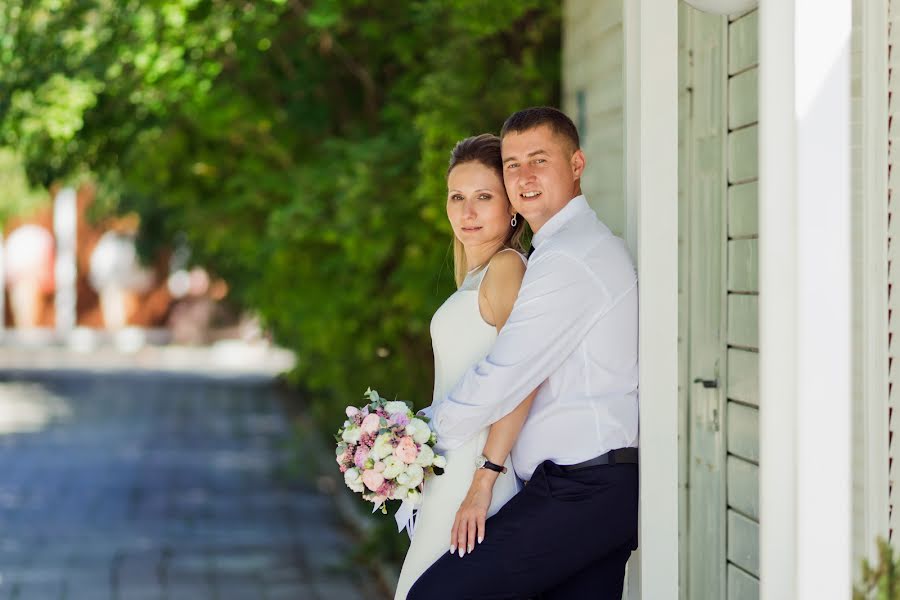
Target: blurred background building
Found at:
x=117, y=294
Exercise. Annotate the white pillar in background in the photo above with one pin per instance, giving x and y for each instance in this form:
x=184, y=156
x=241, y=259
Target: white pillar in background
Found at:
x=804, y=305
x=651, y=88
x=65, y=222
x=2, y=286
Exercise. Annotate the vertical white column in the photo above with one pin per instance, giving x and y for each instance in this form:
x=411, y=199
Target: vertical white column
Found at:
x=805, y=252
x=651, y=32
x=874, y=260
x=824, y=363
x=65, y=215
x=777, y=301
x=2, y=286
x=631, y=34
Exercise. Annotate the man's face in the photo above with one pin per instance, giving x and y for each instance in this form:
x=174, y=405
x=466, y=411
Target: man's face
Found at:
x=541, y=173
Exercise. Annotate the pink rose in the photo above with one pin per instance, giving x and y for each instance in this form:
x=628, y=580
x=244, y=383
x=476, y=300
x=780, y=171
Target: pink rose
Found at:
x=371, y=423
x=379, y=467
x=359, y=459
x=406, y=450
x=373, y=480
x=351, y=411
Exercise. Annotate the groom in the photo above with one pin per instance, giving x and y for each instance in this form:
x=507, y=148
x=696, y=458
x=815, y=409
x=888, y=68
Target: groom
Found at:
x=573, y=332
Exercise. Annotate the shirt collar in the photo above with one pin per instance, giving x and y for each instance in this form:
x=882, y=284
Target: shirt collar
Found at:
x=575, y=207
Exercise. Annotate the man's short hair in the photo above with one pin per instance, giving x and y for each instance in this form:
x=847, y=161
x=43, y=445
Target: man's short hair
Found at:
x=530, y=118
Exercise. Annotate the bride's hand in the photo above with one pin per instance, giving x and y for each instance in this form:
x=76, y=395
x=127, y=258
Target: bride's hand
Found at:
x=469, y=523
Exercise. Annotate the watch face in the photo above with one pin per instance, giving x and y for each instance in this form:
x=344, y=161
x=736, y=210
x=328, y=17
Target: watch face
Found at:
x=479, y=462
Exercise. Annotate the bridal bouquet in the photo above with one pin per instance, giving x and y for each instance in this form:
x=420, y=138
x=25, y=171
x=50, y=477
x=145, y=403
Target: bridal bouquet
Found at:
x=385, y=451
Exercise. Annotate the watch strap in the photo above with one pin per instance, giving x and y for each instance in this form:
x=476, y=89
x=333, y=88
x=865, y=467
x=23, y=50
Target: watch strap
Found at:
x=492, y=466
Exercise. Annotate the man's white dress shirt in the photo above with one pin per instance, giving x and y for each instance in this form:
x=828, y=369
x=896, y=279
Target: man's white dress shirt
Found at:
x=573, y=330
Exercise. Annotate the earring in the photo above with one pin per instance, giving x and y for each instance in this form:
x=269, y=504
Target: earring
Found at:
x=513, y=222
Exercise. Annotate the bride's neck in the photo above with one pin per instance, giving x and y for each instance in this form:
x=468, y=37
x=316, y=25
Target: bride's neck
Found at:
x=478, y=255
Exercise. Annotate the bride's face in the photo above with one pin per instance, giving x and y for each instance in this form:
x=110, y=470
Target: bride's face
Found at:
x=477, y=205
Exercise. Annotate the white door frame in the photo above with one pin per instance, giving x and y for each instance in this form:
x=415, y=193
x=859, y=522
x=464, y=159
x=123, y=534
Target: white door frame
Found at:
x=805, y=303
x=651, y=167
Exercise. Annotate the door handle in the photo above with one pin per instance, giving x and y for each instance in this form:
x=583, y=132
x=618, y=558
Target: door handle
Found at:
x=708, y=383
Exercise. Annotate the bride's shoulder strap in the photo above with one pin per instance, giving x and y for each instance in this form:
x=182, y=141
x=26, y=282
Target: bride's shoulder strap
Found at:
x=520, y=255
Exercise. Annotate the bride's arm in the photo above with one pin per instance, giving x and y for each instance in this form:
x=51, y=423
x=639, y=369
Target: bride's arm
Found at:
x=496, y=298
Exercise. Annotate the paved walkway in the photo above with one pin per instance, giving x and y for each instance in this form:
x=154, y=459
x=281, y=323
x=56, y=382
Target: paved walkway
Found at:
x=138, y=486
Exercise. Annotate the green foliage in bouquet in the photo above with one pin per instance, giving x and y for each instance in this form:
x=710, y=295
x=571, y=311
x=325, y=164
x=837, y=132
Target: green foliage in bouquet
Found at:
x=882, y=581
x=299, y=146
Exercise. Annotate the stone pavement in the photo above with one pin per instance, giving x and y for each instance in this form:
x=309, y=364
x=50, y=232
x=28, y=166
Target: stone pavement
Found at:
x=163, y=486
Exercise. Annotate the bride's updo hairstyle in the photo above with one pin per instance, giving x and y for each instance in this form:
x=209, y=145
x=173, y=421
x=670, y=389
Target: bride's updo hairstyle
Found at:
x=484, y=149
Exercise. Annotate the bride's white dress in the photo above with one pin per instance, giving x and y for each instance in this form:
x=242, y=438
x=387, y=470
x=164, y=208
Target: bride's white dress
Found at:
x=460, y=338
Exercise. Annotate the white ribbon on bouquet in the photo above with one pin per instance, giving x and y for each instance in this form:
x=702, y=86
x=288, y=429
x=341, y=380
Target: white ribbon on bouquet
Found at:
x=406, y=516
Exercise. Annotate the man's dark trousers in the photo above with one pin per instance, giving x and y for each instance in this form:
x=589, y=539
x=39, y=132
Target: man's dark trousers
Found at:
x=566, y=535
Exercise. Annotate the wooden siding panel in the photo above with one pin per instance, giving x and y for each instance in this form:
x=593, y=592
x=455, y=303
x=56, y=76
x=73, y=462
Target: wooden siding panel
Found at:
x=743, y=45
x=743, y=266
x=742, y=99
x=743, y=376
x=743, y=487
x=743, y=431
x=594, y=96
x=743, y=542
x=743, y=210
x=684, y=121
x=707, y=202
x=893, y=255
x=743, y=328
x=742, y=586
x=742, y=363
x=743, y=152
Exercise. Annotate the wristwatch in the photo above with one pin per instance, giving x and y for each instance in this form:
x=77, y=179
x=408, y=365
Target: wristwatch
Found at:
x=483, y=463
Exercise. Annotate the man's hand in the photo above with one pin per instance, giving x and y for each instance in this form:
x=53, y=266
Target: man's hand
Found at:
x=469, y=523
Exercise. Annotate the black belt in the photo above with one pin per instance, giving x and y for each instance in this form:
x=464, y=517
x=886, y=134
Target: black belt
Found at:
x=613, y=457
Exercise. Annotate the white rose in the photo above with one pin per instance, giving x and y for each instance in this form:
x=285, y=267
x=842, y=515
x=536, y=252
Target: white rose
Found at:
x=416, y=475
x=396, y=406
x=413, y=495
x=382, y=446
x=419, y=430
x=400, y=493
x=351, y=435
x=403, y=478
x=354, y=480
x=392, y=467
x=426, y=456
x=440, y=462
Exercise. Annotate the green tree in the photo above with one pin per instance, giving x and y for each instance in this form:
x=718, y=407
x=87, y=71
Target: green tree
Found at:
x=299, y=146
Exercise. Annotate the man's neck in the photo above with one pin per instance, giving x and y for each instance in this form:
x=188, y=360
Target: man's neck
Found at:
x=557, y=220
x=535, y=227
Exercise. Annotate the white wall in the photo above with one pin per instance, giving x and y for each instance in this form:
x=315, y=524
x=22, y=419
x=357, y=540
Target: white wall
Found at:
x=593, y=95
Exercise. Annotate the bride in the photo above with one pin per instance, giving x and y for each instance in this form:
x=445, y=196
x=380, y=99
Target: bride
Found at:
x=489, y=268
